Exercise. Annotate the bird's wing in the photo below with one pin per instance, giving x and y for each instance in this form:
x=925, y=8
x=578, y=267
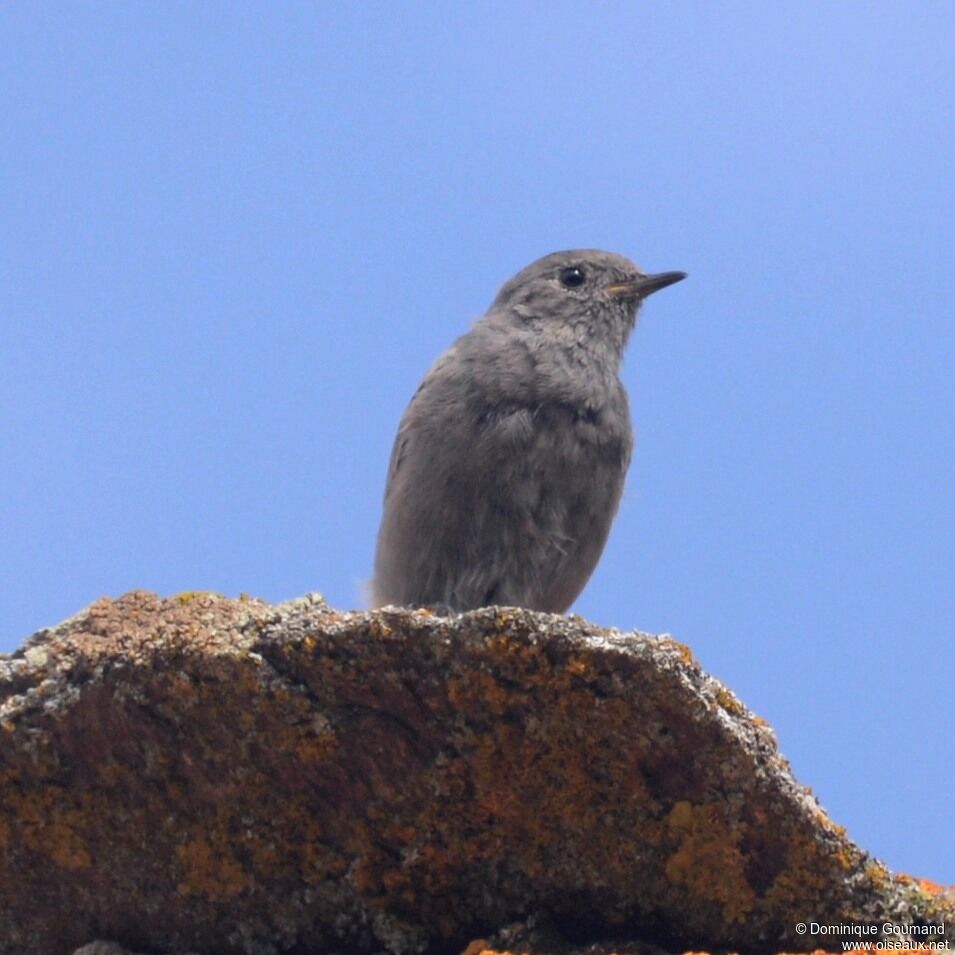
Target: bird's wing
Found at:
x=418, y=408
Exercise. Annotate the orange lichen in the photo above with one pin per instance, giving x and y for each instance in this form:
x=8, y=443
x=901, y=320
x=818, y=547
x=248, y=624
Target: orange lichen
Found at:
x=727, y=700
x=685, y=653
x=877, y=873
x=111, y=774
x=581, y=668
x=187, y=596
x=316, y=749
x=927, y=886
x=63, y=843
x=379, y=627
x=529, y=788
x=708, y=862
x=209, y=871
x=483, y=686
x=822, y=818
x=808, y=874
x=50, y=823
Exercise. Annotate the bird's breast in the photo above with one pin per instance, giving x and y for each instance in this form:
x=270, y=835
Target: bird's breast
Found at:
x=566, y=434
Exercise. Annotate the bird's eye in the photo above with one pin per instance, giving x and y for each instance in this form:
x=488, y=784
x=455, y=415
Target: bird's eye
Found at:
x=572, y=277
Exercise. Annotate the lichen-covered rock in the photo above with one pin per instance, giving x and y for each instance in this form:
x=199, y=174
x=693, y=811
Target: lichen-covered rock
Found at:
x=226, y=776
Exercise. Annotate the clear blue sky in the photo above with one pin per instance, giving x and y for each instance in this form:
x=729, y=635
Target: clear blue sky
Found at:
x=235, y=235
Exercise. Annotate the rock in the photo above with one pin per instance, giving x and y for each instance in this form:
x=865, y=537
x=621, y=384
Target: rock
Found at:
x=227, y=776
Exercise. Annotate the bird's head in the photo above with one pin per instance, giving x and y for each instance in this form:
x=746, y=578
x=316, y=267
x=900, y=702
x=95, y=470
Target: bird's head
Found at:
x=586, y=290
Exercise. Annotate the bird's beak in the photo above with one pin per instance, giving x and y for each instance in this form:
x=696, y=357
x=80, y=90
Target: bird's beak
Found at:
x=645, y=285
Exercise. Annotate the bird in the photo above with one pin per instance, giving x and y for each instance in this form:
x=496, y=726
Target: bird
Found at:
x=509, y=462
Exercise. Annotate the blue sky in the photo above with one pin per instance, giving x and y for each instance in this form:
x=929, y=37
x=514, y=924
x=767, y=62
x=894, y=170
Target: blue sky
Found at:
x=234, y=236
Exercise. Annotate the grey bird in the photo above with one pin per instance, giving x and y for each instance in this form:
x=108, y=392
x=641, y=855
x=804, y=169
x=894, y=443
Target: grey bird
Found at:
x=510, y=460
